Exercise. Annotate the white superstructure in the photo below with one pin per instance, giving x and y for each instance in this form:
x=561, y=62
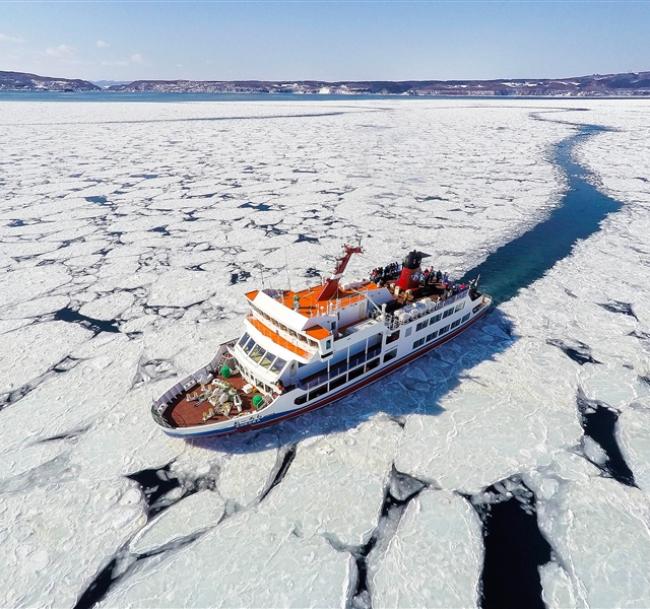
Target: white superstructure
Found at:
x=302, y=350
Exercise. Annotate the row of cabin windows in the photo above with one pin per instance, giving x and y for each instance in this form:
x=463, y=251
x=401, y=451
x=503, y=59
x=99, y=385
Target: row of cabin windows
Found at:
x=253, y=380
x=338, y=382
x=443, y=330
x=274, y=322
x=336, y=369
x=261, y=356
x=436, y=318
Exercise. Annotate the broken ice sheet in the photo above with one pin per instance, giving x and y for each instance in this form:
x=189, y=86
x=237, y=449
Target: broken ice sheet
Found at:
x=435, y=557
x=55, y=537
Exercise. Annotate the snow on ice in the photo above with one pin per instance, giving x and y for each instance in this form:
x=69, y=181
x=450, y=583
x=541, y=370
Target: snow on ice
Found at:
x=128, y=235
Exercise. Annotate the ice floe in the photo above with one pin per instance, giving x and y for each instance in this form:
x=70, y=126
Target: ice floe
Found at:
x=124, y=265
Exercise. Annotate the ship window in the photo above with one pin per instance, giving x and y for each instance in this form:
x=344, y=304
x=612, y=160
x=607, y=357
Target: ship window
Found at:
x=460, y=306
x=448, y=312
x=443, y=330
x=393, y=337
x=248, y=346
x=390, y=355
x=421, y=325
x=373, y=363
x=431, y=336
x=434, y=319
x=418, y=343
x=301, y=399
x=328, y=344
x=337, y=382
x=337, y=369
x=465, y=318
x=322, y=390
x=278, y=364
x=267, y=360
x=355, y=373
x=256, y=354
x=408, y=331
x=243, y=339
x=456, y=323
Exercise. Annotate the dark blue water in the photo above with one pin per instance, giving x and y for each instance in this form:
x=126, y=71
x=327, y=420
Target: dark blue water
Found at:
x=522, y=261
x=114, y=96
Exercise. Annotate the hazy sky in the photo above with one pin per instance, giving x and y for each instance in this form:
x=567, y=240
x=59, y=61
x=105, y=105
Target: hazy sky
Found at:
x=324, y=40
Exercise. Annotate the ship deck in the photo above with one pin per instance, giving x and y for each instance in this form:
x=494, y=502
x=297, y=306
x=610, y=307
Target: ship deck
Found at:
x=186, y=412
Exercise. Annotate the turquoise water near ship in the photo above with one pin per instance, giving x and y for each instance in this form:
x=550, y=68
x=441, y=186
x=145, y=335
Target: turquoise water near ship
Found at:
x=520, y=262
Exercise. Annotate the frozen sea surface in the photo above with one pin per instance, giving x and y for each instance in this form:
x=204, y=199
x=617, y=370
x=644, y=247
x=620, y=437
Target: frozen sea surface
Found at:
x=129, y=233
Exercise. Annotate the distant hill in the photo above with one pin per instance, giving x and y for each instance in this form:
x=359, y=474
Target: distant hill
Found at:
x=633, y=83
x=104, y=84
x=22, y=81
x=595, y=85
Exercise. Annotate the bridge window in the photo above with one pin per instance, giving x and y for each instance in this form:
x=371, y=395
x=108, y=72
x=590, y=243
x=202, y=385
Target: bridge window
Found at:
x=278, y=364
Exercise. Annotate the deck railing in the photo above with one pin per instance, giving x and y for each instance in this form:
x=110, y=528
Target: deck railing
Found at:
x=392, y=322
x=160, y=405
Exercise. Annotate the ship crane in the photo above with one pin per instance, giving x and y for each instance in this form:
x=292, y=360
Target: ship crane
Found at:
x=332, y=284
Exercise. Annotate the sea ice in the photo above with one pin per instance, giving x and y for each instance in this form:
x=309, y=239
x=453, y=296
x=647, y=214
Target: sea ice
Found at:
x=125, y=264
x=434, y=558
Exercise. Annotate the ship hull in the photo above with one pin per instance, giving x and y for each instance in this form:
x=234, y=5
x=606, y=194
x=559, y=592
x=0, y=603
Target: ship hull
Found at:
x=259, y=421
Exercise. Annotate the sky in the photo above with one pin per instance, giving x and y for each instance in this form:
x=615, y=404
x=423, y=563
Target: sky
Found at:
x=324, y=40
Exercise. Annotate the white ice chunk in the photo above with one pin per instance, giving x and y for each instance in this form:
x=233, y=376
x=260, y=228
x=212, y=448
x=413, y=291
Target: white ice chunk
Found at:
x=255, y=558
x=581, y=520
x=191, y=515
x=435, y=557
x=633, y=435
x=57, y=536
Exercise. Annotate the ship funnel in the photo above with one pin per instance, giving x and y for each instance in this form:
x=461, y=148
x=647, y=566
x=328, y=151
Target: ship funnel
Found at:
x=410, y=267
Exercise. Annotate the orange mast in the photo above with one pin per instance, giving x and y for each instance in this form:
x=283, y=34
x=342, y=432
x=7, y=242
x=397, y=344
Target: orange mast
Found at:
x=332, y=284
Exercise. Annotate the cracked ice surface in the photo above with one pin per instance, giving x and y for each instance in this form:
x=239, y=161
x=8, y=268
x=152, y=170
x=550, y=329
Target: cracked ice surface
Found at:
x=150, y=232
x=434, y=558
x=55, y=535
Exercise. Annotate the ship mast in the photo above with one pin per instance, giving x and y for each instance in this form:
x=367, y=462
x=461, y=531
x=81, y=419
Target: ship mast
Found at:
x=332, y=284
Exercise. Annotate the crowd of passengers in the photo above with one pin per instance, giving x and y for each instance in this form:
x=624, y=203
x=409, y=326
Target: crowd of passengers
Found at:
x=386, y=273
x=428, y=276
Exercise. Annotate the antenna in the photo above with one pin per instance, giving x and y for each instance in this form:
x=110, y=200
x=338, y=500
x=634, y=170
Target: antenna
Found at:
x=286, y=268
x=261, y=274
